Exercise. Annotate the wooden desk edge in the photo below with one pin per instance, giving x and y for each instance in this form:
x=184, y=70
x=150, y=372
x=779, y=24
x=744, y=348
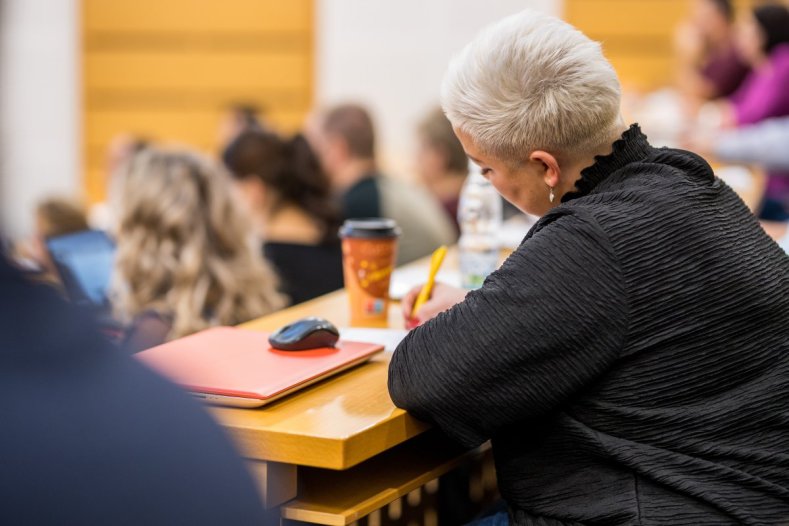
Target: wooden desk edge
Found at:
x=329, y=453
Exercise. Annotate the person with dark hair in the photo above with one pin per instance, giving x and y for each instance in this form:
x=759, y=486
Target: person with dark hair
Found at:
x=441, y=163
x=291, y=202
x=90, y=436
x=764, y=41
x=710, y=65
x=344, y=139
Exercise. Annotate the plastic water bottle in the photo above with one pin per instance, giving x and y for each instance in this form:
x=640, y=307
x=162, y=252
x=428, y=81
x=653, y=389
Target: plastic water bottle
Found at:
x=479, y=216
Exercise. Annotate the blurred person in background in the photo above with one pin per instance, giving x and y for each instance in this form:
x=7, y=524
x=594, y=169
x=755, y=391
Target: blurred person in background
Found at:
x=763, y=40
x=90, y=436
x=292, y=207
x=187, y=257
x=443, y=167
x=344, y=139
x=710, y=66
x=54, y=217
x=441, y=162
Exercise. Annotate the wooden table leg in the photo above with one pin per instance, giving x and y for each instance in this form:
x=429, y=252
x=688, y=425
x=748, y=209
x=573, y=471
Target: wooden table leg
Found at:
x=277, y=482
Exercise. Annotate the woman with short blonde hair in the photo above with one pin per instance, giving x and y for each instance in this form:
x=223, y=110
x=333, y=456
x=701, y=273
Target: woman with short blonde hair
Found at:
x=554, y=90
x=187, y=258
x=630, y=360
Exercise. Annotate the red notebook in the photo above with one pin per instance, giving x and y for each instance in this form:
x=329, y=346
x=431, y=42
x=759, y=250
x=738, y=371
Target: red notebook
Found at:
x=238, y=367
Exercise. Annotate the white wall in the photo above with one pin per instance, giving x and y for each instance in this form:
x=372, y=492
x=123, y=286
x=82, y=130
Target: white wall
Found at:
x=391, y=55
x=39, y=106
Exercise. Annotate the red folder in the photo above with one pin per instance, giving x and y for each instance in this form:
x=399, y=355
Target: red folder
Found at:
x=238, y=367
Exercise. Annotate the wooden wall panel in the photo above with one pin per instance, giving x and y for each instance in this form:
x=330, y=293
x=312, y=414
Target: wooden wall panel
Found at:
x=167, y=69
x=637, y=36
x=200, y=16
x=210, y=70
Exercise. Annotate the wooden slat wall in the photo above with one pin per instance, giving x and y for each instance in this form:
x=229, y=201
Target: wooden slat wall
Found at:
x=166, y=69
x=637, y=36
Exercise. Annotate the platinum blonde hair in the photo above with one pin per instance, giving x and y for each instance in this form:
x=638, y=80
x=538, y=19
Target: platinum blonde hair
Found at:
x=532, y=82
x=185, y=248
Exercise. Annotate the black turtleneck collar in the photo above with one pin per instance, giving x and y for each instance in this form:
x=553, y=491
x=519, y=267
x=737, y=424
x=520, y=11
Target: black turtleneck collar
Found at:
x=631, y=147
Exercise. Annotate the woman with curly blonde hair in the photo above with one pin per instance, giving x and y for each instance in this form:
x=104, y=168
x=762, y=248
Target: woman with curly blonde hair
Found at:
x=186, y=256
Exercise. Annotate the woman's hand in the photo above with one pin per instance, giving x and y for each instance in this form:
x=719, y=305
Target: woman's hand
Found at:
x=443, y=297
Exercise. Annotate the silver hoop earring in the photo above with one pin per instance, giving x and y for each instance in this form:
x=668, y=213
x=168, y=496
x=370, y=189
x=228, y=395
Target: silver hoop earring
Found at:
x=551, y=195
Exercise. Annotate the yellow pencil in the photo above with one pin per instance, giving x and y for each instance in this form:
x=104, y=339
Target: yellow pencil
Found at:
x=435, y=263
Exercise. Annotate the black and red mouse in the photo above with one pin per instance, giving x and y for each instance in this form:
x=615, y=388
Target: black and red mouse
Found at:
x=304, y=334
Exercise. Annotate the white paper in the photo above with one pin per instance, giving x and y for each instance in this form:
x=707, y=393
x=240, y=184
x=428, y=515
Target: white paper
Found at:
x=389, y=338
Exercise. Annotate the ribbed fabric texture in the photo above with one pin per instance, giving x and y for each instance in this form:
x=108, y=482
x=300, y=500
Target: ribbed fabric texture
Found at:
x=630, y=360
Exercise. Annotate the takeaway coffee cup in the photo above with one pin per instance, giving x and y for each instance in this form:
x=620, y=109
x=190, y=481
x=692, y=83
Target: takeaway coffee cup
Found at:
x=369, y=250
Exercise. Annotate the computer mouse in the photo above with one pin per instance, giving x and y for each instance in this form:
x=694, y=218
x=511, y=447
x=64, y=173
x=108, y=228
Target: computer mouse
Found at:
x=303, y=334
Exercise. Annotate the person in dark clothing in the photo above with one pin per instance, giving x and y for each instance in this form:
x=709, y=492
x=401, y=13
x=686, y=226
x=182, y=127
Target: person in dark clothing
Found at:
x=291, y=203
x=630, y=360
x=344, y=139
x=306, y=271
x=90, y=436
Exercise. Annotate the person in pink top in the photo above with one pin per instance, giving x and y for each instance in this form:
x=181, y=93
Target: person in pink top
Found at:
x=764, y=42
x=709, y=64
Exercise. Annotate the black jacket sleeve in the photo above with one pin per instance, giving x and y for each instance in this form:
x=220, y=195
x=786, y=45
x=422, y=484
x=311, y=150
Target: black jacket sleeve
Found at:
x=545, y=325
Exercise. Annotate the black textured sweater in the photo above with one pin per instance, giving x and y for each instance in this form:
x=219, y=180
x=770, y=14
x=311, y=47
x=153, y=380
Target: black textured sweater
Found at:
x=629, y=361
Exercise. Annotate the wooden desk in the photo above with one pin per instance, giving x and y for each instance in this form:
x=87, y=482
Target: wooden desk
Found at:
x=335, y=424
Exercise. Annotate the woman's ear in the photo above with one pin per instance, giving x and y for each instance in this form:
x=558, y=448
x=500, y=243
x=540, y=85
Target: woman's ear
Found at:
x=551, y=170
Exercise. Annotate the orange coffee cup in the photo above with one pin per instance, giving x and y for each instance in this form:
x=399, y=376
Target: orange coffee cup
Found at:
x=369, y=250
